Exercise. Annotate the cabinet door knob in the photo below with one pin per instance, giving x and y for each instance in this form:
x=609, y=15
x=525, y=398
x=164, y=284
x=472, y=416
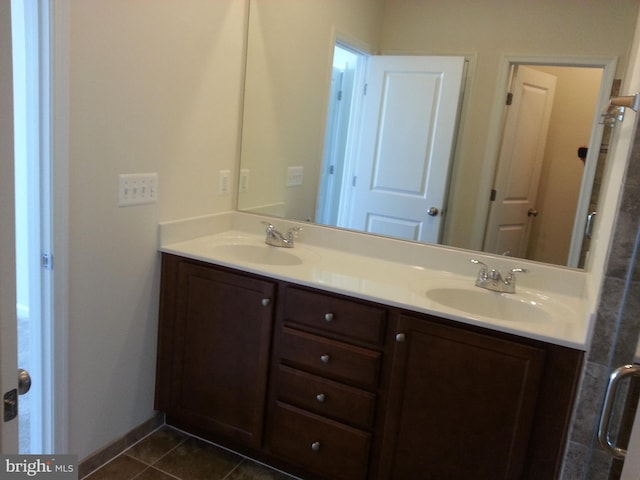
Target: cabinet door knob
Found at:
x=321, y=397
x=324, y=358
x=400, y=337
x=328, y=317
x=315, y=446
x=266, y=302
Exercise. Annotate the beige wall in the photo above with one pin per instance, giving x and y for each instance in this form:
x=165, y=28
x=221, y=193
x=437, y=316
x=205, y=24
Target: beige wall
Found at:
x=485, y=31
x=154, y=86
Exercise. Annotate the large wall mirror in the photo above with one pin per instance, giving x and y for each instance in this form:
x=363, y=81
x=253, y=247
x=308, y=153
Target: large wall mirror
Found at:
x=294, y=128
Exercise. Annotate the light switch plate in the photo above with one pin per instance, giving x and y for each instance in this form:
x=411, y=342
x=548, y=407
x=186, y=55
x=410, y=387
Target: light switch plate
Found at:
x=137, y=189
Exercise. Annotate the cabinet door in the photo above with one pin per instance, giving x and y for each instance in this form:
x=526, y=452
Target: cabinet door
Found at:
x=462, y=404
x=221, y=352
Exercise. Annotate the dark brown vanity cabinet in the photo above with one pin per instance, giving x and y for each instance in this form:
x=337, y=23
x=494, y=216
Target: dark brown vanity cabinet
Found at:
x=213, y=358
x=336, y=388
x=326, y=382
x=466, y=403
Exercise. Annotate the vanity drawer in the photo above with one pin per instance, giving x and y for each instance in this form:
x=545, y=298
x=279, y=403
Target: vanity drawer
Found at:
x=325, y=397
x=339, y=316
x=320, y=445
x=330, y=358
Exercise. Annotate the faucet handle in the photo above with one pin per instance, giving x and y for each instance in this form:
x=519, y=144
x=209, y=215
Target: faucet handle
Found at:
x=511, y=278
x=518, y=270
x=478, y=262
x=269, y=226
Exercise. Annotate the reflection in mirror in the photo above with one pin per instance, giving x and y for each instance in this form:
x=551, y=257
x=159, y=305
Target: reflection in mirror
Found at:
x=289, y=76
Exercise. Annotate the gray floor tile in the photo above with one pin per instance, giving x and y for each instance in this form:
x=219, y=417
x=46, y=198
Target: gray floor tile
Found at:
x=157, y=444
x=120, y=468
x=195, y=459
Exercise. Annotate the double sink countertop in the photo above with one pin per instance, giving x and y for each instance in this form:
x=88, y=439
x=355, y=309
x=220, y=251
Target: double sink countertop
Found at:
x=550, y=303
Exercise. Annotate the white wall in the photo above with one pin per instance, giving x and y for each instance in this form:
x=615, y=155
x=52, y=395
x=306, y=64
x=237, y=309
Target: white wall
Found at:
x=154, y=86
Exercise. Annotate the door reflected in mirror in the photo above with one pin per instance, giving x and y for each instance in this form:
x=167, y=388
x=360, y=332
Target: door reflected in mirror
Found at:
x=391, y=147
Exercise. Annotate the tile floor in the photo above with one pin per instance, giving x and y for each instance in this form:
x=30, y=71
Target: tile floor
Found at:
x=170, y=454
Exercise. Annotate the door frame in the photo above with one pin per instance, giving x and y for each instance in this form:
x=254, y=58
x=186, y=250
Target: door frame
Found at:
x=608, y=65
x=59, y=19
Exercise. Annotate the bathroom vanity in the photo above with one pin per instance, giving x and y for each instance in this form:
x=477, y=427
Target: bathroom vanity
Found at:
x=324, y=384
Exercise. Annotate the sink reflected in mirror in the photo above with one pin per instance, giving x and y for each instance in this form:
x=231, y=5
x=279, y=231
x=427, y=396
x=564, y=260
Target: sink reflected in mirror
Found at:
x=499, y=306
x=261, y=254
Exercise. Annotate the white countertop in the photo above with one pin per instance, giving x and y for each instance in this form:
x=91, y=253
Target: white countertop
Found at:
x=390, y=272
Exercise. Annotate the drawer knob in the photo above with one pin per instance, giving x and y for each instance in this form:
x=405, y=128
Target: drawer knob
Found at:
x=315, y=446
x=266, y=302
x=400, y=337
x=321, y=397
x=328, y=317
x=324, y=358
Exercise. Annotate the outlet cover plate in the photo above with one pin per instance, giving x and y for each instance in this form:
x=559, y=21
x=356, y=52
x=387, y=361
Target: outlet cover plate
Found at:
x=294, y=176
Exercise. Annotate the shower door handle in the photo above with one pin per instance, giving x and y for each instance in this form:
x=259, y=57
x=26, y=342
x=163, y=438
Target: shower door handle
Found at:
x=588, y=230
x=604, y=425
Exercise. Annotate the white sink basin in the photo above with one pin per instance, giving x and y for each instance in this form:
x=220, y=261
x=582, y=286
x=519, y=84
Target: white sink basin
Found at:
x=261, y=254
x=499, y=306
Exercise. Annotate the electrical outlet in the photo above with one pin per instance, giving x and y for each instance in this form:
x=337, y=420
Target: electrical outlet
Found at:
x=294, y=176
x=224, y=178
x=244, y=180
x=137, y=189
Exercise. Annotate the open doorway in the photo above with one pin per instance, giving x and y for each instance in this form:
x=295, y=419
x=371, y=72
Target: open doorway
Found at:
x=343, y=104
x=544, y=181
x=32, y=186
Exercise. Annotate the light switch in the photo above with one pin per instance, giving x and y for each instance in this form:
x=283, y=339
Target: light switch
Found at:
x=137, y=189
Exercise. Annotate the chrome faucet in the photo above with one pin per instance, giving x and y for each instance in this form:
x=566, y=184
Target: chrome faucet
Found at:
x=492, y=279
x=277, y=239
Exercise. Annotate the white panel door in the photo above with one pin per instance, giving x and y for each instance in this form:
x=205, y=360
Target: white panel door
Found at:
x=8, y=315
x=409, y=124
x=521, y=155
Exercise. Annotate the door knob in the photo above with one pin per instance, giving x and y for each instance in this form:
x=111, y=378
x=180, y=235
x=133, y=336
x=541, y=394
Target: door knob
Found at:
x=24, y=381
x=433, y=211
x=532, y=212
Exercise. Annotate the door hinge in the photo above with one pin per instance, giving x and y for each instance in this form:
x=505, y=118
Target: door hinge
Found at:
x=509, y=98
x=332, y=169
x=493, y=195
x=340, y=96
x=353, y=181
x=47, y=261
x=364, y=90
